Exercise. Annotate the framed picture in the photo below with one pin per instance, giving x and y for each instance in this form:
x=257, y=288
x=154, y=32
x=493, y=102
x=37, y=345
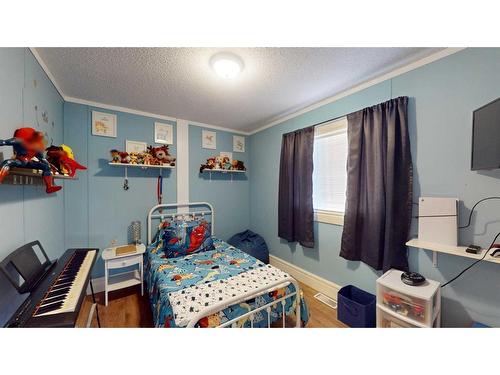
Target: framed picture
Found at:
x=228, y=154
x=238, y=143
x=135, y=146
x=209, y=139
x=164, y=133
x=103, y=124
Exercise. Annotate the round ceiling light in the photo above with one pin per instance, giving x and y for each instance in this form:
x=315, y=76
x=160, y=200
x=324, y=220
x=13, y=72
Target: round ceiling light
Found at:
x=226, y=65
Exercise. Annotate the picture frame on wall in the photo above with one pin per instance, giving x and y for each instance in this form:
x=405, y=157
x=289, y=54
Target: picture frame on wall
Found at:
x=104, y=124
x=238, y=143
x=164, y=133
x=226, y=154
x=209, y=139
x=135, y=146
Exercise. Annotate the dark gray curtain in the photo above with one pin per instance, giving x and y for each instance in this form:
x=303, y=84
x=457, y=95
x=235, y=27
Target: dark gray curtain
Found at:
x=379, y=186
x=295, y=202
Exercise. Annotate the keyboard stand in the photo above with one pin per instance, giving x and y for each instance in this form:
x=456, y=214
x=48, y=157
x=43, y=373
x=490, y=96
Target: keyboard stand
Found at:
x=93, y=308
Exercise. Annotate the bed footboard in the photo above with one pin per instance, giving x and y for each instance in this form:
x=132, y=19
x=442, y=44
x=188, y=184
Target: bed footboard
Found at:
x=210, y=310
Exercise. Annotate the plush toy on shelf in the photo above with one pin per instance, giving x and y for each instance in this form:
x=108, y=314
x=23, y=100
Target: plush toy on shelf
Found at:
x=238, y=165
x=115, y=156
x=62, y=160
x=124, y=157
x=29, y=147
x=223, y=163
x=153, y=156
x=162, y=155
x=226, y=163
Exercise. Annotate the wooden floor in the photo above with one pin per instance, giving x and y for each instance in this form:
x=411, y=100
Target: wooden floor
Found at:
x=127, y=308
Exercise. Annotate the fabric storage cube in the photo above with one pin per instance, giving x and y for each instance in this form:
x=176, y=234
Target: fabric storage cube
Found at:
x=356, y=308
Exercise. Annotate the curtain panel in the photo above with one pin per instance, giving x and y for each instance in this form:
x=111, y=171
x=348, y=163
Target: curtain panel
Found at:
x=295, y=201
x=379, y=186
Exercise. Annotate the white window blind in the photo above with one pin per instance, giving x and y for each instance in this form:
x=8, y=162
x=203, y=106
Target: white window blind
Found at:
x=330, y=159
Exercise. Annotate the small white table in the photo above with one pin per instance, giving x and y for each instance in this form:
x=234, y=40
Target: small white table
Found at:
x=123, y=279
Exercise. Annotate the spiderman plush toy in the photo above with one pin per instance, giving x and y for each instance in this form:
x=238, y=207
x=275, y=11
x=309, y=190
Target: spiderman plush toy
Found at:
x=28, y=145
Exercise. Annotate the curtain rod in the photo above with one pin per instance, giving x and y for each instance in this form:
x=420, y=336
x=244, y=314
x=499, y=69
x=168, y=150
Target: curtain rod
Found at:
x=339, y=117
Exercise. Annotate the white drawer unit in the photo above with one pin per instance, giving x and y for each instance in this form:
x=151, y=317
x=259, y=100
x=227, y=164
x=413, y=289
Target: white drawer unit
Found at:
x=402, y=305
x=113, y=261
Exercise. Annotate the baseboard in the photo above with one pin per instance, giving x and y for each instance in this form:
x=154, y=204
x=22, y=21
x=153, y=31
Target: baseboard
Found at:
x=98, y=284
x=314, y=281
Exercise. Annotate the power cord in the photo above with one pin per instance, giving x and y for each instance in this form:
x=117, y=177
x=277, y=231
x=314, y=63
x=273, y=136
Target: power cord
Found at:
x=473, y=264
x=472, y=211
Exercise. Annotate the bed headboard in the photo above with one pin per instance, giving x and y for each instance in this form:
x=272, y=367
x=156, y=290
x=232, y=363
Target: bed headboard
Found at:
x=163, y=211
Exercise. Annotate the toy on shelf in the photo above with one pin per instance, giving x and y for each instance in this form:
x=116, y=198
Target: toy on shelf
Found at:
x=222, y=163
x=155, y=156
x=162, y=155
x=29, y=146
x=62, y=160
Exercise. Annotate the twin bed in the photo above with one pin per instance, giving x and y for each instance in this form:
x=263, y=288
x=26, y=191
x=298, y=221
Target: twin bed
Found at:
x=220, y=286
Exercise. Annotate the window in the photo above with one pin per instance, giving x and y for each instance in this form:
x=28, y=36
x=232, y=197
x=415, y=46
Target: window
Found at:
x=329, y=175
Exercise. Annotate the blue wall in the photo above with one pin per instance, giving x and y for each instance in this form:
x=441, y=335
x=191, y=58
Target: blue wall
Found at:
x=443, y=95
x=229, y=193
x=97, y=209
x=27, y=212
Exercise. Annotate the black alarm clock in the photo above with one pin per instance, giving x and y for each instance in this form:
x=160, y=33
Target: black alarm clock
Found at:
x=412, y=278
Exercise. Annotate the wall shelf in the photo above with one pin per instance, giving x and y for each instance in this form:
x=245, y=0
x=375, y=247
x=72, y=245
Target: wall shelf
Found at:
x=448, y=249
x=143, y=166
x=222, y=170
x=36, y=173
x=33, y=177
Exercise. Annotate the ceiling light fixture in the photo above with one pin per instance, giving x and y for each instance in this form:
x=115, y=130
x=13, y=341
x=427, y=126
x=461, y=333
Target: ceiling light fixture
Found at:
x=226, y=65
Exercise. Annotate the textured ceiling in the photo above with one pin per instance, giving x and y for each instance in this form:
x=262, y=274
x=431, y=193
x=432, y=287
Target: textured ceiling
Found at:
x=179, y=82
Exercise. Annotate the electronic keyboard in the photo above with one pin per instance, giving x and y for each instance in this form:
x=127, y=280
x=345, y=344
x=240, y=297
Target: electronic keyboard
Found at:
x=56, y=299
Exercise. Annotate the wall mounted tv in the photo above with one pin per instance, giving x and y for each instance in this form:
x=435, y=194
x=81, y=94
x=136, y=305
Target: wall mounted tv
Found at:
x=486, y=137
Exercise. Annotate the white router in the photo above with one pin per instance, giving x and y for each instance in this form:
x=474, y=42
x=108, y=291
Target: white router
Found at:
x=438, y=220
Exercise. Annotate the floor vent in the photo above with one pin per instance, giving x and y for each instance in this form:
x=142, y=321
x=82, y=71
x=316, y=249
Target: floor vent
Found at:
x=326, y=300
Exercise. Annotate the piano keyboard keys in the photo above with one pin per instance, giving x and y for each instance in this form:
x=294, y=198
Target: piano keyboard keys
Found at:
x=63, y=294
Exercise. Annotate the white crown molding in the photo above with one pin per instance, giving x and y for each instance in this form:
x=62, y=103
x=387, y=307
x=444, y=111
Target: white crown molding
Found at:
x=117, y=108
x=394, y=73
x=384, y=77
x=229, y=130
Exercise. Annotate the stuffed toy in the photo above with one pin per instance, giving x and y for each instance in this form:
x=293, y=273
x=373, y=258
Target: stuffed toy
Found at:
x=63, y=161
x=115, y=156
x=28, y=145
x=226, y=163
x=218, y=162
x=124, y=157
x=162, y=155
x=134, y=158
x=238, y=165
x=210, y=164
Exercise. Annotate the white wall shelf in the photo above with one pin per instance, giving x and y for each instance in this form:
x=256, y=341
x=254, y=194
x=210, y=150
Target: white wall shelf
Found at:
x=448, y=249
x=36, y=173
x=223, y=170
x=143, y=166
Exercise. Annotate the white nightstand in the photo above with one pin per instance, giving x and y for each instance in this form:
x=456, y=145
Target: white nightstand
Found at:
x=125, y=279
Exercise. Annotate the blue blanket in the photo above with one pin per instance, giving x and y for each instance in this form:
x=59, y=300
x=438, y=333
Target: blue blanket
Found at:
x=166, y=275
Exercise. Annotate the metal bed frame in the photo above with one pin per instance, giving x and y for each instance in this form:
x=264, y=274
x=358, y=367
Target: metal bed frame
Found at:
x=185, y=212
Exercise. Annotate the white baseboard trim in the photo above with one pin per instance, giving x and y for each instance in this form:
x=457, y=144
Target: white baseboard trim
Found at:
x=98, y=284
x=314, y=281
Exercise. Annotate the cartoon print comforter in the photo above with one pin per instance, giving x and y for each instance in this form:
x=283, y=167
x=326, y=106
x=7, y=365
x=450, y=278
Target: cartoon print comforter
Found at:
x=170, y=279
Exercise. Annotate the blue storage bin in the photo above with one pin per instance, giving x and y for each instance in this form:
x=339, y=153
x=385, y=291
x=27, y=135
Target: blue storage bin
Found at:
x=356, y=308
